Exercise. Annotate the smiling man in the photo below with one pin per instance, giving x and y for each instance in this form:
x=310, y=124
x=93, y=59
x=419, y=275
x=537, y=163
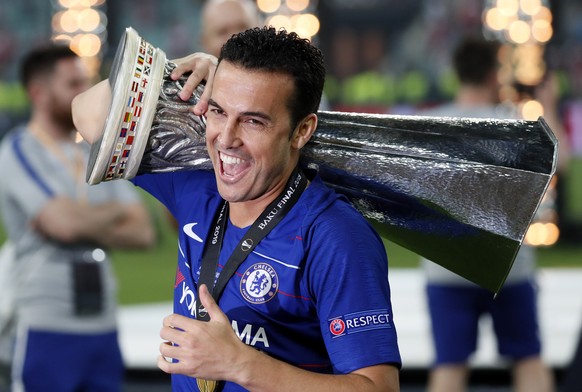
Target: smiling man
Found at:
x=281, y=284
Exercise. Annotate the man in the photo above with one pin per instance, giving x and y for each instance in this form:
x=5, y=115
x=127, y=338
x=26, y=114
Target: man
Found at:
x=281, y=284
x=222, y=18
x=455, y=304
x=60, y=230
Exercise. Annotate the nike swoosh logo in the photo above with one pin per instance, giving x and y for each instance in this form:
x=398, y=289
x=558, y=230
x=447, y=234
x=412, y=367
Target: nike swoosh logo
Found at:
x=190, y=233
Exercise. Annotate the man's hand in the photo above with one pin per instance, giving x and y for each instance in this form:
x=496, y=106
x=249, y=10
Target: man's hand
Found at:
x=201, y=67
x=209, y=350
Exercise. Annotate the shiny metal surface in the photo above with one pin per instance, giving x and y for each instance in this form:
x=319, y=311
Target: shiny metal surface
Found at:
x=461, y=192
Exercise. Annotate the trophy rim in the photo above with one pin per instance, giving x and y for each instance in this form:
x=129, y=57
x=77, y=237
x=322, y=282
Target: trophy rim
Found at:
x=135, y=81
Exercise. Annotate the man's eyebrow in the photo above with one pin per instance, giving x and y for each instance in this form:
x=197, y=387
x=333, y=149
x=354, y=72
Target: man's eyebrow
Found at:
x=212, y=102
x=257, y=114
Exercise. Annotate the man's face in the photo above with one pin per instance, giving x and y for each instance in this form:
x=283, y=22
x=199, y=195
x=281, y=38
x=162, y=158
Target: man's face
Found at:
x=248, y=133
x=223, y=20
x=69, y=79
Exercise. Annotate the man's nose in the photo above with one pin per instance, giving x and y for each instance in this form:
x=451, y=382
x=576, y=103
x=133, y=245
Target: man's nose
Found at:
x=229, y=134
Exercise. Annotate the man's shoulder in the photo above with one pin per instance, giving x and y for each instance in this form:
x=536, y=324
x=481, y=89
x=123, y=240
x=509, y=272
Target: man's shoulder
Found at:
x=333, y=210
x=12, y=146
x=452, y=109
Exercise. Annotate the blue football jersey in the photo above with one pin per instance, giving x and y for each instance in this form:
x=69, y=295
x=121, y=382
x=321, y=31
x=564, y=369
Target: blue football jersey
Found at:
x=314, y=293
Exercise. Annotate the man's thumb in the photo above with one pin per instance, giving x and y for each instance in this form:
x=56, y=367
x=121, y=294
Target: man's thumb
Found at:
x=209, y=303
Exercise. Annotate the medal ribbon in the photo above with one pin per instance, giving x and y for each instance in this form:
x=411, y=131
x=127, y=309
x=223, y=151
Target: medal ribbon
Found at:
x=260, y=228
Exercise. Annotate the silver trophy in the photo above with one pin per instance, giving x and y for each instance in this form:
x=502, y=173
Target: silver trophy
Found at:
x=460, y=192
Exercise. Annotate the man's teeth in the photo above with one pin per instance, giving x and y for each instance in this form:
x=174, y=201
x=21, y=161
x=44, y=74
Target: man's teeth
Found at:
x=230, y=160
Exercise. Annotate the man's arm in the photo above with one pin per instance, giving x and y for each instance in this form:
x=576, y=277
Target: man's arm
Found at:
x=112, y=224
x=91, y=107
x=211, y=350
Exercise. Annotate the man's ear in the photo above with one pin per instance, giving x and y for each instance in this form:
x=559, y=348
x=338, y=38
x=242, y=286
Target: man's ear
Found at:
x=304, y=131
x=36, y=89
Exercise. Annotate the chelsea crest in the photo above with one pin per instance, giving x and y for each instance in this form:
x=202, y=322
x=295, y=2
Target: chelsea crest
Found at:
x=259, y=283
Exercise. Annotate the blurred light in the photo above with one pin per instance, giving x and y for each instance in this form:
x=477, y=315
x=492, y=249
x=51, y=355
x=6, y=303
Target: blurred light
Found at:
x=89, y=19
x=268, y=6
x=62, y=38
x=69, y=21
x=98, y=255
x=544, y=14
x=542, y=234
x=542, y=31
x=530, y=74
x=83, y=26
x=508, y=7
x=67, y=3
x=530, y=7
x=56, y=22
x=86, y=45
x=297, y=5
x=495, y=20
x=532, y=110
x=530, y=51
x=77, y=3
x=529, y=65
x=519, y=32
x=280, y=21
x=544, y=229
x=307, y=25
x=518, y=21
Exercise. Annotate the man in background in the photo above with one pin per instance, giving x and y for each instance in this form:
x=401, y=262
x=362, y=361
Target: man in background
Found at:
x=222, y=18
x=60, y=229
x=456, y=304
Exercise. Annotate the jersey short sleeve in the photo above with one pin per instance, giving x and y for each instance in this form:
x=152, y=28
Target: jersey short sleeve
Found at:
x=177, y=190
x=20, y=164
x=348, y=277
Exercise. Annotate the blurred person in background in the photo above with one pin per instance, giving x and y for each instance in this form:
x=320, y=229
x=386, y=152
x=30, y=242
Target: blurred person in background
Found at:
x=60, y=230
x=455, y=304
x=572, y=380
x=220, y=19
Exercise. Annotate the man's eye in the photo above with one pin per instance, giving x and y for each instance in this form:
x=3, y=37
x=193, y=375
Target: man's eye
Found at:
x=216, y=112
x=254, y=121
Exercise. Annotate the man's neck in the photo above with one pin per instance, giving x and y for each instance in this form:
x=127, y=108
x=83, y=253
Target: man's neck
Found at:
x=243, y=214
x=476, y=96
x=40, y=123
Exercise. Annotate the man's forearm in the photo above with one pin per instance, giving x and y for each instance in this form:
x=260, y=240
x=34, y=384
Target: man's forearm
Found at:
x=133, y=229
x=283, y=377
x=109, y=224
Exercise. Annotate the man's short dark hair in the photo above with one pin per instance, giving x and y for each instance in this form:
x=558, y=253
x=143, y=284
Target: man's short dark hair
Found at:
x=475, y=59
x=279, y=51
x=42, y=60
